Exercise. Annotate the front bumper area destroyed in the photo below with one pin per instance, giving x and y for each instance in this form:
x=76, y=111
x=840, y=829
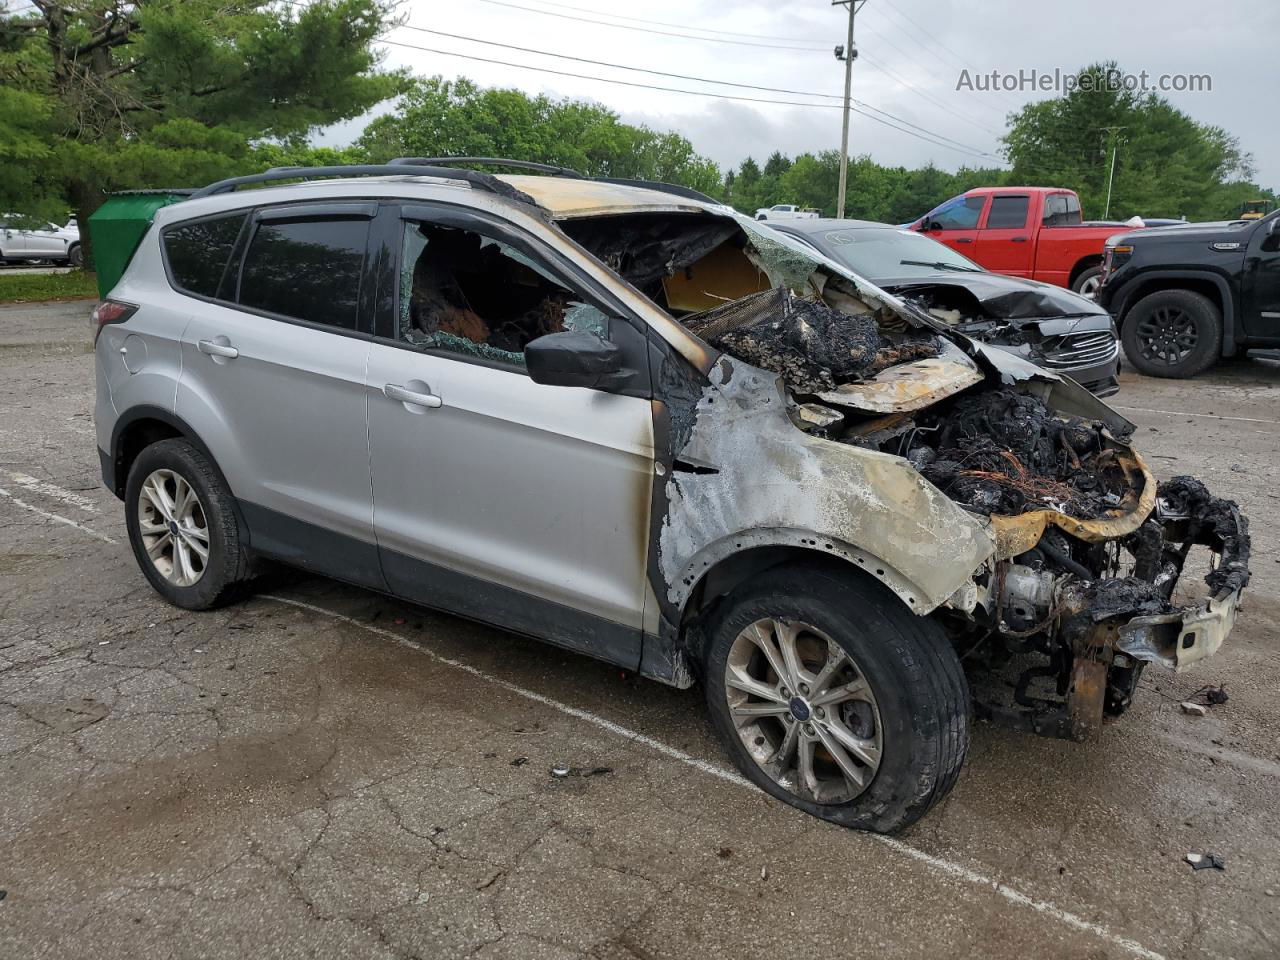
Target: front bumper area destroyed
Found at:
x=1079, y=586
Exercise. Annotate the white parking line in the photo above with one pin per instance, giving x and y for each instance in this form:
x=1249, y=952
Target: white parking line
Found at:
x=1188, y=413
x=52, y=490
x=937, y=863
x=55, y=517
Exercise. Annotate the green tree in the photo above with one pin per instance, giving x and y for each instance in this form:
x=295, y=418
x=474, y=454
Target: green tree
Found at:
x=97, y=95
x=1167, y=164
x=439, y=117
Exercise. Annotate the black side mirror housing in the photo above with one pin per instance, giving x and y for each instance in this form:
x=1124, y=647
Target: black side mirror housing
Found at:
x=574, y=358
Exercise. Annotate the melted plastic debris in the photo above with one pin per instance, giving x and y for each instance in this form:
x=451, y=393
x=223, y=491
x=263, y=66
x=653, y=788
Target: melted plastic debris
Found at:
x=1004, y=452
x=812, y=346
x=1213, y=521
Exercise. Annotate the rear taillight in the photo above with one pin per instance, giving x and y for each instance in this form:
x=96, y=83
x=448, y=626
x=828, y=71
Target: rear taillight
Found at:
x=110, y=311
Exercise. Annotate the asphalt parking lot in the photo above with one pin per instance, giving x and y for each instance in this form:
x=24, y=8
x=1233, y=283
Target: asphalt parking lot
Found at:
x=324, y=772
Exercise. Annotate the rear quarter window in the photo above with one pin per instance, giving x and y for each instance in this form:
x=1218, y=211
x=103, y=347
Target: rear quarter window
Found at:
x=197, y=252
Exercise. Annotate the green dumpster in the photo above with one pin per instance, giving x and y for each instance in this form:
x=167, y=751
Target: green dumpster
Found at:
x=117, y=228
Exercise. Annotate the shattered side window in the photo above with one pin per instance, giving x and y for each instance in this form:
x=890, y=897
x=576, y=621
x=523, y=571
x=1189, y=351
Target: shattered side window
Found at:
x=476, y=296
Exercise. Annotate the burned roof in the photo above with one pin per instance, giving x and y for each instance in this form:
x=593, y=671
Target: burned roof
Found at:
x=569, y=198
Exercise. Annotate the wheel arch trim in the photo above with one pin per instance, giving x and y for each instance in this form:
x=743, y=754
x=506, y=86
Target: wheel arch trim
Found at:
x=1132, y=293
x=807, y=544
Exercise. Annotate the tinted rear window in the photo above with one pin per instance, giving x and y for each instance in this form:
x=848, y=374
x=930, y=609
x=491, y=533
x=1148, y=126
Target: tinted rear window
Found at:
x=306, y=269
x=1008, y=213
x=198, y=252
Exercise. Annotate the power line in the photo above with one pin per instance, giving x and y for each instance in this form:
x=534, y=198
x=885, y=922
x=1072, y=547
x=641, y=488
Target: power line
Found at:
x=696, y=93
x=683, y=26
x=927, y=96
x=684, y=76
x=663, y=33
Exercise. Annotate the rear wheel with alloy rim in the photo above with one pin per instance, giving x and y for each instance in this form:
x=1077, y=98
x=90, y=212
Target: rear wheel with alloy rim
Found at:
x=182, y=526
x=1173, y=333
x=830, y=694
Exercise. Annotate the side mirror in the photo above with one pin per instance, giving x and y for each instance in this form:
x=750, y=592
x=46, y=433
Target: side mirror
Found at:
x=573, y=359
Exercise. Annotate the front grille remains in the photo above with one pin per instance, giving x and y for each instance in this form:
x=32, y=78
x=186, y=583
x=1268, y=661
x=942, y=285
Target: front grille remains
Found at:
x=1077, y=350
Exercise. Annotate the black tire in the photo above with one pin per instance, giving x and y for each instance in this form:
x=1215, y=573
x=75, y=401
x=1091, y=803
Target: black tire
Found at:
x=1088, y=278
x=75, y=256
x=921, y=693
x=1173, y=333
x=228, y=563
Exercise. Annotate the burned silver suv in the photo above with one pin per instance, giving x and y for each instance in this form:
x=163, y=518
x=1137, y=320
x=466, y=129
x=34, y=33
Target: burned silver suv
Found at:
x=629, y=421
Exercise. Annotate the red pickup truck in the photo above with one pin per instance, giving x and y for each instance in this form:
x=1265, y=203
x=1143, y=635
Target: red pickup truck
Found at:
x=1033, y=232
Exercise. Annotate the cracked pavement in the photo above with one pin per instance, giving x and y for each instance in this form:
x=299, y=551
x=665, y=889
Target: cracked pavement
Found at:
x=270, y=780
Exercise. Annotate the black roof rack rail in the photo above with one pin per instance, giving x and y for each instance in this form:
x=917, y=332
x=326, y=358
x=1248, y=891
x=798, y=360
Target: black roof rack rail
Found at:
x=490, y=162
x=687, y=192
x=478, y=180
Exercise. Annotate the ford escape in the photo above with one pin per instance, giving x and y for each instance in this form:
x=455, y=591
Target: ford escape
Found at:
x=626, y=420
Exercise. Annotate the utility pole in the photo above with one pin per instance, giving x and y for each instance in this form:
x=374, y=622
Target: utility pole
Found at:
x=848, y=53
x=1113, y=136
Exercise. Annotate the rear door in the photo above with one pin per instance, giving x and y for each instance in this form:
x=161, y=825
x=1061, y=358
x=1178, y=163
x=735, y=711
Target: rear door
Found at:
x=955, y=223
x=1006, y=242
x=509, y=501
x=13, y=241
x=273, y=378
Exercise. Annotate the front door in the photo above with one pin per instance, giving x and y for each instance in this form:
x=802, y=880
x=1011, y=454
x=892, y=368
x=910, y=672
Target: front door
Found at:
x=1262, y=281
x=955, y=223
x=517, y=503
x=273, y=381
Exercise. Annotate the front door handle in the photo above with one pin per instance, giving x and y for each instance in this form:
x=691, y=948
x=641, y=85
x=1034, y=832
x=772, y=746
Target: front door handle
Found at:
x=1017, y=239
x=964, y=240
x=393, y=391
x=215, y=349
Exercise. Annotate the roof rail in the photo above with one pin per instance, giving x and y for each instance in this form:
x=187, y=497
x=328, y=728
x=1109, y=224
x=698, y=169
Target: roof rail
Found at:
x=477, y=180
x=490, y=162
x=556, y=171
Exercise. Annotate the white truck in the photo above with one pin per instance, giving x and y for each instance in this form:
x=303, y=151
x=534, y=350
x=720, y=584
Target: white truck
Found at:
x=787, y=211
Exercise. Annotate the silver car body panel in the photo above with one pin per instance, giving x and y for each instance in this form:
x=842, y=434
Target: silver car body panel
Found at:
x=543, y=489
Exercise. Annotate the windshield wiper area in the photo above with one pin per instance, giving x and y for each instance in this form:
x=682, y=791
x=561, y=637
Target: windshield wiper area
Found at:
x=939, y=265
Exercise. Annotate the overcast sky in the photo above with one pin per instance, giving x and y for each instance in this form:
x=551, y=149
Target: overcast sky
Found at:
x=912, y=54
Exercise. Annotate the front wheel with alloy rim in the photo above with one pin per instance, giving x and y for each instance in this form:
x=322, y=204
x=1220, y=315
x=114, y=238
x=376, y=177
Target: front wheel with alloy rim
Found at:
x=182, y=526
x=1088, y=282
x=832, y=696
x=1173, y=333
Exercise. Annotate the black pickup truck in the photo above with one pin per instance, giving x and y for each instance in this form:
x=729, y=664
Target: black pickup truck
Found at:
x=1184, y=296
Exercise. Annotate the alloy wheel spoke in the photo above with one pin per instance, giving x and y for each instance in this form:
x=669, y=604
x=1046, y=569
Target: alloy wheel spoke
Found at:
x=835, y=660
x=856, y=775
x=154, y=491
x=808, y=778
x=201, y=550
x=760, y=710
x=864, y=749
x=781, y=759
x=737, y=678
x=764, y=639
x=853, y=690
x=787, y=632
x=155, y=550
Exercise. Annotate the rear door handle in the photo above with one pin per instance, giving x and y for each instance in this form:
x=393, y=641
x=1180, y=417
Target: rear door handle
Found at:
x=964, y=240
x=393, y=391
x=1017, y=239
x=215, y=349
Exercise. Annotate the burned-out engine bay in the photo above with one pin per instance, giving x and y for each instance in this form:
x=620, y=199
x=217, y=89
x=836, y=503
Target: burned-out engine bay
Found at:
x=1085, y=585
